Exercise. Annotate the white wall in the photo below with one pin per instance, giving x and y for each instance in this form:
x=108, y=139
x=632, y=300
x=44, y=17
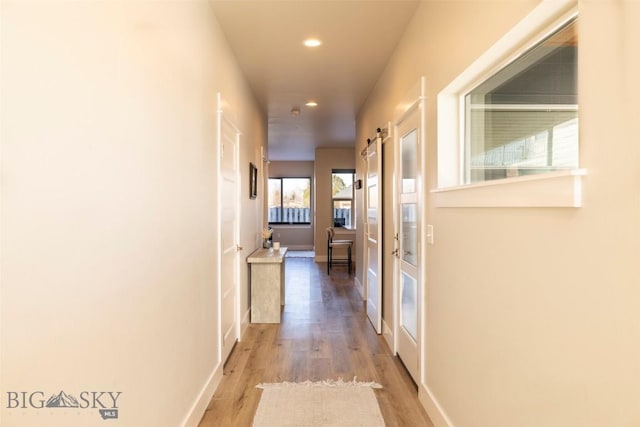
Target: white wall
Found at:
x=531, y=314
x=107, y=218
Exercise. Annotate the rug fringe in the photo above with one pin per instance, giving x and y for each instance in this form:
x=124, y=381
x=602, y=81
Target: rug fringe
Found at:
x=323, y=383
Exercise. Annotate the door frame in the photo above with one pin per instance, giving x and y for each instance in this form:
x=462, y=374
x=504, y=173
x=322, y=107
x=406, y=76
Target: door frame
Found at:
x=225, y=114
x=414, y=100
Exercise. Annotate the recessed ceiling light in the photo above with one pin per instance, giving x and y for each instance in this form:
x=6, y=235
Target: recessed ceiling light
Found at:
x=312, y=42
x=311, y=104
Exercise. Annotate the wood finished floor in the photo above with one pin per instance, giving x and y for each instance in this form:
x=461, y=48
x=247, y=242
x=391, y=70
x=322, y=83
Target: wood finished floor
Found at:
x=324, y=334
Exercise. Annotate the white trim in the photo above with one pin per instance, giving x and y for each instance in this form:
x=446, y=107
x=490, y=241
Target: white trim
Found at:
x=388, y=134
x=524, y=107
x=359, y=287
x=244, y=324
x=197, y=410
x=431, y=405
x=387, y=334
x=553, y=189
x=237, y=262
x=218, y=225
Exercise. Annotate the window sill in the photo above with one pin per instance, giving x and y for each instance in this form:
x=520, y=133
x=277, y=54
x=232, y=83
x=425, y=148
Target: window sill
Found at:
x=554, y=189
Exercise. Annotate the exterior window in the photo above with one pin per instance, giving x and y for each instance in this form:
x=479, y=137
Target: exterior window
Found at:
x=342, y=195
x=289, y=200
x=524, y=119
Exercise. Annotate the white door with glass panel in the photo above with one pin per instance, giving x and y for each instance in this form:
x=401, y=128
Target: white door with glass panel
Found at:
x=229, y=232
x=373, y=233
x=409, y=292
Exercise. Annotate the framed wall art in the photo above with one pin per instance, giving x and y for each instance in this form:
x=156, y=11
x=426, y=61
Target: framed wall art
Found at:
x=253, y=181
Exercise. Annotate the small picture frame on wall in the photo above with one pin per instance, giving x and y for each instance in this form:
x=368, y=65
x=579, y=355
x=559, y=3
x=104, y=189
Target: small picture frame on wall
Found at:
x=253, y=181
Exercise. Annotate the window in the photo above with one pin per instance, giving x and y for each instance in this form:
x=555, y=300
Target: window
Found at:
x=524, y=119
x=342, y=181
x=289, y=200
x=508, y=124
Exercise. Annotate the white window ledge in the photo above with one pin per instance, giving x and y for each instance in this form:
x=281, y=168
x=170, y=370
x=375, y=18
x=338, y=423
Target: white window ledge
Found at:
x=554, y=189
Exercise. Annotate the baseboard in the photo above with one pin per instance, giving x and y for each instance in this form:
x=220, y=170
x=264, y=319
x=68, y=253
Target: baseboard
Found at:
x=244, y=323
x=199, y=407
x=432, y=407
x=387, y=334
x=359, y=287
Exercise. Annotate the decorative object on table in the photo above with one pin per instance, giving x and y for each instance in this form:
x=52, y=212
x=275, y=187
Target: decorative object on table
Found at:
x=276, y=246
x=266, y=237
x=321, y=403
x=253, y=181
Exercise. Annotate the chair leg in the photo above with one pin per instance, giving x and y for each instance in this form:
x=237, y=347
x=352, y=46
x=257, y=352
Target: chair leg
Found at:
x=349, y=256
x=328, y=259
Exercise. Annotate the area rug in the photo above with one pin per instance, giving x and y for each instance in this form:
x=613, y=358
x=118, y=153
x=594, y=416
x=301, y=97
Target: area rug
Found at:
x=323, y=403
x=300, y=254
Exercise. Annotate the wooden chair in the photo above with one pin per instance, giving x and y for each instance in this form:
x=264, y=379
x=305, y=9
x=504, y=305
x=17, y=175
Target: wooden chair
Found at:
x=331, y=244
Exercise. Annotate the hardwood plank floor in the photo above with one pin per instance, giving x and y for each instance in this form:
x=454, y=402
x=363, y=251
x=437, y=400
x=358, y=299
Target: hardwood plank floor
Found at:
x=324, y=334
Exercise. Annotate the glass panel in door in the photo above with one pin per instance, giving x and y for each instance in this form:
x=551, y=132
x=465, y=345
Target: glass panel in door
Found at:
x=410, y=233
x=409, y=308
x=409, y=162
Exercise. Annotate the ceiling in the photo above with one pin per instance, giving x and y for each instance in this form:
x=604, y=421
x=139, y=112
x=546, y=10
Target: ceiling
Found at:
x=358, y=37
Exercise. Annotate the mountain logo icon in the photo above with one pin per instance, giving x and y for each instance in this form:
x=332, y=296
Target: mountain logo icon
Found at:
x=62, y=400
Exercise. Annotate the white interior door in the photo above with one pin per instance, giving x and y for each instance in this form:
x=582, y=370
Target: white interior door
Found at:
x=229, y=232
x=408, y=225
x=373, y=233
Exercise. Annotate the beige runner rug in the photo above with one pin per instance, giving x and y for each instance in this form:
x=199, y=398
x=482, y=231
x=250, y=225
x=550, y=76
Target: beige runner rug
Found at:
x=322, y=403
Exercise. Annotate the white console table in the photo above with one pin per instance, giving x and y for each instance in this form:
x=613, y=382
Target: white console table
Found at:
x=267, y=284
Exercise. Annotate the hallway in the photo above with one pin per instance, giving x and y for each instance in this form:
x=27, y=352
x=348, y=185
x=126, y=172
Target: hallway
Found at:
x=324, y=334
